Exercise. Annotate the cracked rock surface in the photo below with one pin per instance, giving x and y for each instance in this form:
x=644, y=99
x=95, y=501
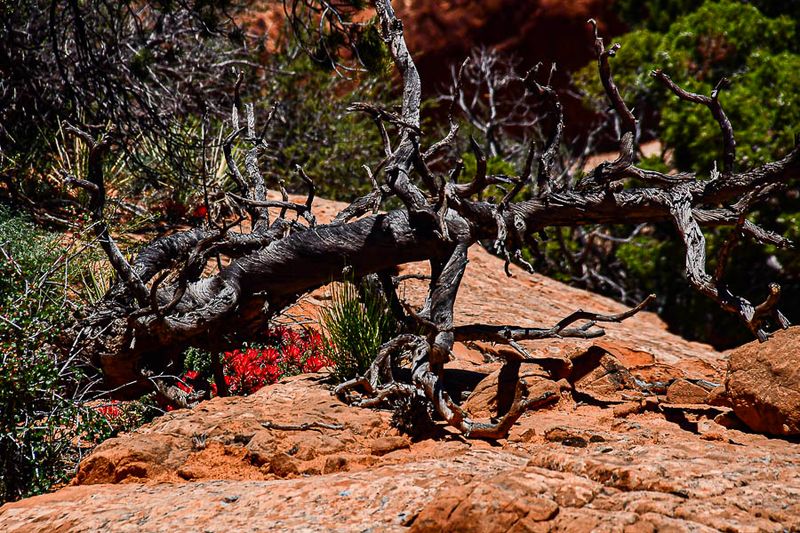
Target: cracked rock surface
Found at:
x=573, y=467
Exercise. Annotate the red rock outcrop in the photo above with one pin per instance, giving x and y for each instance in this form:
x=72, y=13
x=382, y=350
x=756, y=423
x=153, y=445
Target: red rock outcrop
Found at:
x=442, y=32
x=763, y=383
x=571, y=467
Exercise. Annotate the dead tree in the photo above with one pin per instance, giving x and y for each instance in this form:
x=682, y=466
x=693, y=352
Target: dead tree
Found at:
x=161, y=303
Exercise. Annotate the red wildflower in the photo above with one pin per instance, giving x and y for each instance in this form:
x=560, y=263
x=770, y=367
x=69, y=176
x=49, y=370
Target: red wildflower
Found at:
x=288, y=352
x=110, y=411
x=200, y=211
x=185, y=383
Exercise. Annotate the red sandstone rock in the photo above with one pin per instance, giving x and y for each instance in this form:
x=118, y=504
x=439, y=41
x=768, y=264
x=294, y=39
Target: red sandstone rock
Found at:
x=566, y=468
x=600, y=376
x=494, y=394
x=384, y=445
x=682, y=391
x=763, y=383
x=508, y=501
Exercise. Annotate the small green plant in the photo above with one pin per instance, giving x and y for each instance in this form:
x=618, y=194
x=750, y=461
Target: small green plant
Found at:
x=198, y=360
x=356, y=323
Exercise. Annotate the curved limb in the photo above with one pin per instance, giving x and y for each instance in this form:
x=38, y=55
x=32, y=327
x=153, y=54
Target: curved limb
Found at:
x=544, y=177
x=714, y=105
x=478, y=183
x=380, y=371
x=401, y=162
x=695, y=242
x=451, y=134
x=513, y=334
x=429, y=381
x=443, y=291
x=612, y=92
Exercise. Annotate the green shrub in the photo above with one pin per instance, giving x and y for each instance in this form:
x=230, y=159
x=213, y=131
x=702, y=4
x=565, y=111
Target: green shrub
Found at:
x=658, y=15
x=355, y=324
x=316, y=131
x=45, y=423
x=724, y=38
x=697, y=45
x=43, y=433
x=199, y=361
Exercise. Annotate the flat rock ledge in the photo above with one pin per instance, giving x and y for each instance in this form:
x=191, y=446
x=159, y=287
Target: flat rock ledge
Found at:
x=571, y=467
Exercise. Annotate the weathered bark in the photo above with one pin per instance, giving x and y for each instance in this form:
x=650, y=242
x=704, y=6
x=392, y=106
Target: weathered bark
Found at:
x=139, y=330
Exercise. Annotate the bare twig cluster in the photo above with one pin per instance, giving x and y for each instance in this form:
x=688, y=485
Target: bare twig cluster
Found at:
x=142, y=66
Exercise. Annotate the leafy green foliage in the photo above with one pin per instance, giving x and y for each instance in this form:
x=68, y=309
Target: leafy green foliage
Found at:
x=199, y=361
x=697, y=45
x=45, y=426
x=494, y=165
x=372, y=50
x=723, y=38
x=315, y=130
x=356, y=323
x=658, y=15
x=654, y=15
x=641, y=257
x=42, y=434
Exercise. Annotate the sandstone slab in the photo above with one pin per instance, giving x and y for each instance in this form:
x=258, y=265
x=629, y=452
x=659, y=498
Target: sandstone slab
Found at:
x=763, y=383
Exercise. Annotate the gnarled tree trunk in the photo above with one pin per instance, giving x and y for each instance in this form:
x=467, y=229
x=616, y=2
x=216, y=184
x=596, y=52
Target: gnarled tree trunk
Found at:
x=161, y=303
